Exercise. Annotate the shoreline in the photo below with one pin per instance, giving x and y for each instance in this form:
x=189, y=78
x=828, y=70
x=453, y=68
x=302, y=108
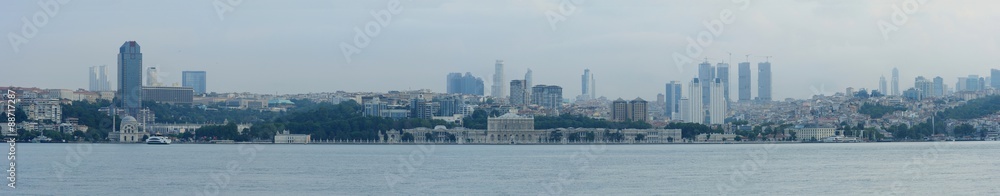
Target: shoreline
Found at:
x=531, y=144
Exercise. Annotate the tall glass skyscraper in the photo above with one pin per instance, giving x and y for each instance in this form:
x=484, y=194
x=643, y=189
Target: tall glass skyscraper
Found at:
x=705, y=73
x=468, y=84
x=995, y=78
x=673, y=96
x=130, y=77
x=764, y=81
x=499, y=85
x=195, y=80
x=722, y=73
x=744, y=86
x=895, y=82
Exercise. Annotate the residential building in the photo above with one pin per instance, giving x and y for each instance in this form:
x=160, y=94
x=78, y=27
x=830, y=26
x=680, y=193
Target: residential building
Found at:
x=519, y=93
x=619, y=110
x=696, y=109
x=717, y=107
x=547, y=96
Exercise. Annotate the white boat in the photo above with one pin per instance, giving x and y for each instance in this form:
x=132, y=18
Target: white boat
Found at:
x=158, y=140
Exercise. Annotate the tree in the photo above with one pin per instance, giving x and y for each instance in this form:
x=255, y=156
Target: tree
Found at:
x=964, y=130
x=555, y=136
x=407, y=137
x=640, y=137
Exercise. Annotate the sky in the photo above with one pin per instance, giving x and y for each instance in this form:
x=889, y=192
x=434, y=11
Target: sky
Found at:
x=633, y=47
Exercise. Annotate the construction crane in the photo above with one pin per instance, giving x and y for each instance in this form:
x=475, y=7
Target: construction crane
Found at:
x=748, y=58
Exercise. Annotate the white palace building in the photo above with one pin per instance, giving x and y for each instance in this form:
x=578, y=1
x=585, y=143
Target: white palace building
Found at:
x=511, y=128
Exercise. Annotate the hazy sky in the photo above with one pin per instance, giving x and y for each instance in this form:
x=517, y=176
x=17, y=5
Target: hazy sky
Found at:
x=295, y=46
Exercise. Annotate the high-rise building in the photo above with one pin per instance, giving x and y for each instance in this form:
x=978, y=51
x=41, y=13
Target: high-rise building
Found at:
x=673, y=96
x=547, y=96
x=528, y=85
x=152, y=77
x=717, y=108
x=764, y=81
x=99, y=80
x=882, y=86
x=995, y=78
x=962, y=84
x=587, y=84
x=925, y=86
x=619, y=110
x=706, y=73
x=722, y=72
x=638, y=110
x=94, y=82
x=519, y=93
x=895, y=82
x=130, y=77
x=685, y=110
x=635, y=110
x=448, y=105
x=744, y=81
x=938, y=87
x=972, y=83
x=468, y=84
x=196, y=80
x=499, y=89
x=695, y=109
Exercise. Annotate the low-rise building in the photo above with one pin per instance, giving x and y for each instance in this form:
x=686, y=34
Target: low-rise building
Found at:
x=287, y=138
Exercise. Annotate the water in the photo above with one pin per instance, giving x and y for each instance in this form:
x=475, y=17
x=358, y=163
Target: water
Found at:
x=960, y=168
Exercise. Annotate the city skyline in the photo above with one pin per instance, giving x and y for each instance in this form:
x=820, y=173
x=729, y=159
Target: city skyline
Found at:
x=179, y=44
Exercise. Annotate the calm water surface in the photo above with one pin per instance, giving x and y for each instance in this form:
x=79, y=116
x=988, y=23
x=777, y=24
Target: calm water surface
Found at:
x=959, y=168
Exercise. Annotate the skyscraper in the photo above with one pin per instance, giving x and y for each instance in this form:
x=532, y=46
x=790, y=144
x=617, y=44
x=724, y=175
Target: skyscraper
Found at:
x=995, y=78
x=744, y=79
x=197, y=80
x=925, y=86
x=938, y=87
x=130, y=77
x=528, y=85
x=722, y=72
x=706, y=73
x=972, y=83
x=638, y=110
x=882, y=87
x=152, y=77
x=673, y=96
x=587, y=84
x=895, y=82
x=499, y=84
x=468, y=84
x=99, y=80
x=619, y=110
x=717, y=108
x=696, y=109
x=518, y=93
x=764, y=81
x=94, y=82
